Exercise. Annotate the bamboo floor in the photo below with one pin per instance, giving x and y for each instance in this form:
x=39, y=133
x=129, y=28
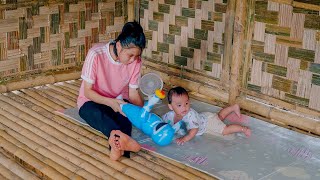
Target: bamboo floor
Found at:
x=37, y=143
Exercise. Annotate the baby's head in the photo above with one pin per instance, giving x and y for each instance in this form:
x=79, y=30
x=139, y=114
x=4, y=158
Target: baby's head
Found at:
x=178, y=99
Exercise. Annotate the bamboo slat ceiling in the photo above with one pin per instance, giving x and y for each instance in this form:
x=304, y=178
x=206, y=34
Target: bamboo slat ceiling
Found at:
x=37, y=143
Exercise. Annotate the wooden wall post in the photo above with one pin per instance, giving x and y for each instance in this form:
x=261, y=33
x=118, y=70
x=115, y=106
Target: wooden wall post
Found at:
x=225, y=75
x=237, y=51
x=247, y=46
x=131, y=14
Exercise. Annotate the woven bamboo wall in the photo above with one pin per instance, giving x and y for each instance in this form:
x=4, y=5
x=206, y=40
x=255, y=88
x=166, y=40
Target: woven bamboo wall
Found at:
x=37, y=36
x=186, y=33
x=283, y=58
x=285, y=51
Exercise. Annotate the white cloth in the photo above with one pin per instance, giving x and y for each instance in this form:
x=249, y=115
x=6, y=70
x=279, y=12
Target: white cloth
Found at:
x=214, y=124
x=193, y=119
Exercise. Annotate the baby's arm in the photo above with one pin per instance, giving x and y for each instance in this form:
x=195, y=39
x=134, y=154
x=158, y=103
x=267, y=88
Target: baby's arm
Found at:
x=189, y=136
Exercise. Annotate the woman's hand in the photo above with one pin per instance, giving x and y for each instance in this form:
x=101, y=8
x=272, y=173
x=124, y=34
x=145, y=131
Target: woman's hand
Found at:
x=95, y=97
x=115, y=105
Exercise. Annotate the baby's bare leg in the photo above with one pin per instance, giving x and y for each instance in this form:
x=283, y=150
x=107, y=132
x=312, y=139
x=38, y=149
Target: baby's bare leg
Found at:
x=236, y=128
x=226, y=111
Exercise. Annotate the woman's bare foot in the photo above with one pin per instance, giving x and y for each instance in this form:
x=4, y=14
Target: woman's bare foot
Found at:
x=124, y=142
x=115, y=152
x=117, y=143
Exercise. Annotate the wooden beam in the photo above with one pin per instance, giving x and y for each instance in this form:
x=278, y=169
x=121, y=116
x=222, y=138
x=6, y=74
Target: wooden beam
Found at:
x=131, y=14
x=280, y=116
x=38, y=81
x=228, y=35
x=238, y=44
x=247, y=46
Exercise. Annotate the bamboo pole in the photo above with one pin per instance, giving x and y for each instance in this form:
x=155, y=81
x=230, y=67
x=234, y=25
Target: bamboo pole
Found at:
x=208, y=99
x=192, y=86
x=66, y=149
x=47, y=152
x=237, y=51
x=306, y=6
x=40, y=98
x=75, y=83
x=15, y=168
x=137, y=10
x=64, y=121
x=32, y=100
x=95, y=135
x=76, y=149
x=168, y=172
x=280, y=116
x=38, y=81
x=151, y=170
x=131, y=14
x=62, y=91
x=45, y=160
x=60, y=97
x=214, y=93
x=4, y=178
x=175, y=166
x=171, y=70
x=71, y=86
x=66, y=76
x=78, y=82
x=227, y=57
x=3, y=88
x=63, y=86
x=30, y=162
x=44, y=95
x=6, y=174
x=247, y=46
x=292, y=107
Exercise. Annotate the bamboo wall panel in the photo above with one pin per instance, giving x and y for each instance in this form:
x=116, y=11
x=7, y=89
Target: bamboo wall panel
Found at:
x=285, y=46
x=54, y=34
x=186, y=33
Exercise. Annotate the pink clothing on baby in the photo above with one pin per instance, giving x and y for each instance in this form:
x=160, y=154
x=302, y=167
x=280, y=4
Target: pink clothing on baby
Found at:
x=108, y=77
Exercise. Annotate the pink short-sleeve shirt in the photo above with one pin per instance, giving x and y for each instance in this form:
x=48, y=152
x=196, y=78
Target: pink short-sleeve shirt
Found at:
x=108, y=77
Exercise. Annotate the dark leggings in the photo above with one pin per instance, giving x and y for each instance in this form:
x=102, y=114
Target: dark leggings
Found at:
x=104, y=119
